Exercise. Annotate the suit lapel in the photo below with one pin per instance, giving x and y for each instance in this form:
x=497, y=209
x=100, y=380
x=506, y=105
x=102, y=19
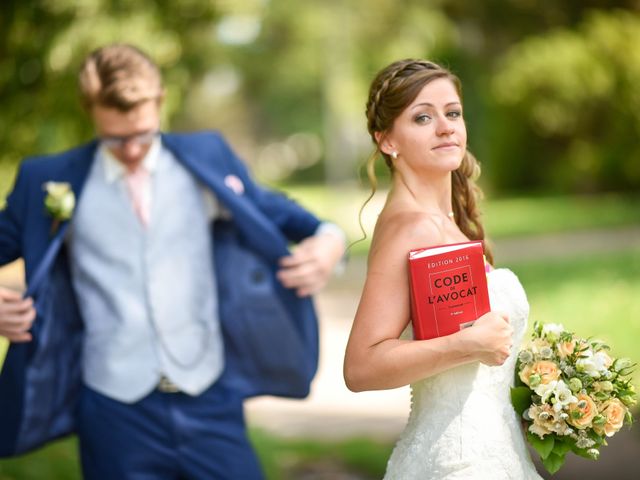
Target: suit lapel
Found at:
x=74, y=171
x=257, y=230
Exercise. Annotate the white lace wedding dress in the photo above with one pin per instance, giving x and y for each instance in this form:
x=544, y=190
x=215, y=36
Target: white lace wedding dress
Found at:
x=462, y=424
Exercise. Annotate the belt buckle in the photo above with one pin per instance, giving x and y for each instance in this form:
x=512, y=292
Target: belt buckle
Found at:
x=167, y=386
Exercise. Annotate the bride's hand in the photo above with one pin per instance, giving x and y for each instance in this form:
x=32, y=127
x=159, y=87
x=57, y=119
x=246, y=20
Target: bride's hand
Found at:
x=491, y=337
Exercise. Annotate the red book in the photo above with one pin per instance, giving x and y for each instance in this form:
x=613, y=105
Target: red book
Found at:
x=448, y=288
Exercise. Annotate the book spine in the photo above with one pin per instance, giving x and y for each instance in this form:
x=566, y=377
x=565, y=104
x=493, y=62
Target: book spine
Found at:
x=418, y=332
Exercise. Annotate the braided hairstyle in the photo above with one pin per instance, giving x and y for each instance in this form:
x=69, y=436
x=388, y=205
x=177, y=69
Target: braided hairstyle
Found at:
x=391, y=92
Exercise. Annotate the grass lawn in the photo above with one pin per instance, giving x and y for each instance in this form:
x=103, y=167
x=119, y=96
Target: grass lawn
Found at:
x=281, y=459
x=291, y=458
x=57, y=461
x=593, y=296
x=505, y=217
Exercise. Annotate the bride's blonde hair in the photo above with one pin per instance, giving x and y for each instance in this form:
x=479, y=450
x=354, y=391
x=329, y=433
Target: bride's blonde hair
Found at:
x=391, y=92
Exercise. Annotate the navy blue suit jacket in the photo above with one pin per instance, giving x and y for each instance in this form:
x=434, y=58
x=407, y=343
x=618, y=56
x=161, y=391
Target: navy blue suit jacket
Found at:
x=270, y=335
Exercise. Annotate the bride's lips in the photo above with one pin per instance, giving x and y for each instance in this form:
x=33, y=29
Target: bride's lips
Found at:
x=445, y=145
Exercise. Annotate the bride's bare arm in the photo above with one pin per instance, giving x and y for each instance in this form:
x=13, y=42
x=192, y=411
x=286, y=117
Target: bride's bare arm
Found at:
x=376, y=358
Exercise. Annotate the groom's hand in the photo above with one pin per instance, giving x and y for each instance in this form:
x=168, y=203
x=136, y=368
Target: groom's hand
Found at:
x=16, y=316
x=311, y=263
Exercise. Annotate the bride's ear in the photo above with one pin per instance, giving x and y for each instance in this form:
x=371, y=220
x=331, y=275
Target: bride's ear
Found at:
x=384, y=143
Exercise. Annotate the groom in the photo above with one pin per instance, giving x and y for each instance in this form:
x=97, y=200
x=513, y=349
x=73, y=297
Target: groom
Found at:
x=167, y=298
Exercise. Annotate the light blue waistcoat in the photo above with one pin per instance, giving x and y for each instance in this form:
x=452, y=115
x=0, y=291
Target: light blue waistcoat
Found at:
x=147, y=296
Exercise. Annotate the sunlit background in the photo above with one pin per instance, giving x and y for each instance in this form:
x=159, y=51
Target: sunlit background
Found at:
x=550, y=87
x=552, y=106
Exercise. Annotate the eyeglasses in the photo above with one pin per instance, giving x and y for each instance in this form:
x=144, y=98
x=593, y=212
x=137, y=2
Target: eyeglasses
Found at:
x=120, y=141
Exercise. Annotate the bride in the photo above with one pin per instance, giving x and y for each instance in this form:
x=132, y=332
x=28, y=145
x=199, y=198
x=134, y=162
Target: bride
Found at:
x=461, y=425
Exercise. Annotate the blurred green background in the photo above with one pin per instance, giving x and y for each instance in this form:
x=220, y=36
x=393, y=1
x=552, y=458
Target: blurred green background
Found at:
x=551, y=103
x=551, y=93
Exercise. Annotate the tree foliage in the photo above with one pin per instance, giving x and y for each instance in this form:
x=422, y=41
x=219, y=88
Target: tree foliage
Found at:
x=549, y=96
x=43, y=43
x=576, y=91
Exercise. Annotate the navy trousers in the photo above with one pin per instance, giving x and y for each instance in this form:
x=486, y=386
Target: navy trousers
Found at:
x=165, y=436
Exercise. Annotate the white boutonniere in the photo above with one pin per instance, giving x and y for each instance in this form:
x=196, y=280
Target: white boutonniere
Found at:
x=59, y=202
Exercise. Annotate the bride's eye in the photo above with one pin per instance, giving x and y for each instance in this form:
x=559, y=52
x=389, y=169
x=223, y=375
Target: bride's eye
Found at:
x=422, y=119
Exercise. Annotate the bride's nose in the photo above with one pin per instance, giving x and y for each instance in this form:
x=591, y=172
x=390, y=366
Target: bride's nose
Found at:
x=444, y=126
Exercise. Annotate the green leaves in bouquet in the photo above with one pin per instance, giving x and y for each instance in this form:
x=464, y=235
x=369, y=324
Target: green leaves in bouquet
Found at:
x=543, y=446
x=552, y=450
x=553, y=462
x=520, y=399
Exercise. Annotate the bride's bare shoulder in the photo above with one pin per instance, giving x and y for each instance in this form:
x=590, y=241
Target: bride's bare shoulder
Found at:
x=401, y=231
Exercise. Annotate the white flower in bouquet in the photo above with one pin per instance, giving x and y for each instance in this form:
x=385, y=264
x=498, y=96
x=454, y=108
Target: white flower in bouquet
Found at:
x=584, y=442
x=552, y=331
x=595, y=364
x=563, y=397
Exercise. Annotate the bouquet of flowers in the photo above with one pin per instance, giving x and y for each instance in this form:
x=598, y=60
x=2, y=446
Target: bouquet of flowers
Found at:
x=571, y=394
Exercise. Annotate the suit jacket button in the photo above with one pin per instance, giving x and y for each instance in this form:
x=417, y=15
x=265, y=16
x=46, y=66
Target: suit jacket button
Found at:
x=258, y=276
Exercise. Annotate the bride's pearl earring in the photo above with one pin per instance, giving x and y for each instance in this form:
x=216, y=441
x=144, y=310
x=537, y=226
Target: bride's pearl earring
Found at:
x=394, y=154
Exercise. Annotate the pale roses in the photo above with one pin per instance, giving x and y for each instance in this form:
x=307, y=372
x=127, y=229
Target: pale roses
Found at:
x=614, y=412
x=566, y=348
x=540, y=372
x=582, y=412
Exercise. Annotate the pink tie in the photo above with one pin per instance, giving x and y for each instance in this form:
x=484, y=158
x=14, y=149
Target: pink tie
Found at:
x=137, y=184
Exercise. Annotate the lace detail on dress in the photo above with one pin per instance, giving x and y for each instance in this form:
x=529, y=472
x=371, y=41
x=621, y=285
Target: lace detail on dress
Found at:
x=461, y=424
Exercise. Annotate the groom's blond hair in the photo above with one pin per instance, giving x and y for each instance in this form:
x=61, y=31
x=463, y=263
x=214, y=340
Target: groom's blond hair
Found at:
x=119, y=76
